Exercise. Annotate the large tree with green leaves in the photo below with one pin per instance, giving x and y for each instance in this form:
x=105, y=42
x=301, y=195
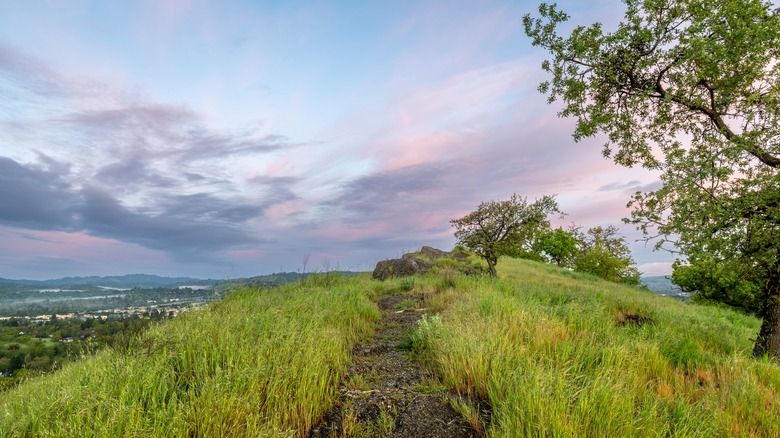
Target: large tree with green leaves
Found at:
x=507, y=227
x=691, y=89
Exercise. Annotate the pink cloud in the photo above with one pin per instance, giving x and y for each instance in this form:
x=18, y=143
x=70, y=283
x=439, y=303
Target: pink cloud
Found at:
x=281, y=211
x=31, y=253
x=56, y=243
x=346, y=233
x=430, y=120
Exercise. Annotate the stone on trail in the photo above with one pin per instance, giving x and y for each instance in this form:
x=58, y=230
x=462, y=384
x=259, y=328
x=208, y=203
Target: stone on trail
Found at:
x=403, y=267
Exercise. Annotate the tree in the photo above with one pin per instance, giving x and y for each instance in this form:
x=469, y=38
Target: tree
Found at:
x=711, y=280
x=690, y=89
x=508, y=227
x=558, y=246
x=15, y=363
x=604, y=253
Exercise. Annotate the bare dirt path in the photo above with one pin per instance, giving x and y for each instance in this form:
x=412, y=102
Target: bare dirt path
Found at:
x=387, y=394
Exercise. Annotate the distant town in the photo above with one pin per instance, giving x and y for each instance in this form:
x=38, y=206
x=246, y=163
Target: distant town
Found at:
x=119, y=296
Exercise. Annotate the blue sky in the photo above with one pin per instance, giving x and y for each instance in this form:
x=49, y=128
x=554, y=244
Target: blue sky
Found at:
x=230, y=139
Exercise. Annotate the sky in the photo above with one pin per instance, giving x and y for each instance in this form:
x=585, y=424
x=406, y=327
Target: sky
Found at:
x=230, y=139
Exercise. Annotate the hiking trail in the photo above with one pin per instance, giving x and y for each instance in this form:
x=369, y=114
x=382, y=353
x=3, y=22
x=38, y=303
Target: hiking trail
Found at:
x=387, y=393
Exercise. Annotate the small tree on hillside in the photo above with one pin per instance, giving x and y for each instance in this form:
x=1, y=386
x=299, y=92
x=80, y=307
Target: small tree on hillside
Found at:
x=508, y=227
x=557, y=246
x=604, y=253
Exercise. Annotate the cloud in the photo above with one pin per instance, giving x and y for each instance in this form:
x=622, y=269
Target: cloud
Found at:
x=381, y=191
x=54, y=254
x=104, y=216
x=268, y=180
x=168, y=131
x=631, y=187
x=207, y=207
x=108, y=120
x=37, y=198
x=156, y=119
x=127, y=168
x=439, y=115
x=655, y=268
x=131, y=172
x=619, y=186
x=29, y=72
x=30, y=236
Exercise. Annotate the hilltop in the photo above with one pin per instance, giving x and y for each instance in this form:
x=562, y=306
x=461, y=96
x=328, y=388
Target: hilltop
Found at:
x=541, y=351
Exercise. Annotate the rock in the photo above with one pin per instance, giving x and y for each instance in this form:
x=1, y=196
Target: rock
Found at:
x=403, y=267
x=433, y=253
x=412, y=264
x=460, y=256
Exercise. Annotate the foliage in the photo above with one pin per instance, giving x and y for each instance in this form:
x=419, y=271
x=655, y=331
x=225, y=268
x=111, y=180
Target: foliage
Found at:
x=558, y=246
x=714, y=281
x=418, y=340
x=36, y=347
x=690, y=89
x=604, y=253
x=507, y=227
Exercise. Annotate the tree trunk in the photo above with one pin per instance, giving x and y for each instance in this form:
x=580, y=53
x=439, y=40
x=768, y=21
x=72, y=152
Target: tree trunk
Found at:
x=492, y=265
x=768, y=340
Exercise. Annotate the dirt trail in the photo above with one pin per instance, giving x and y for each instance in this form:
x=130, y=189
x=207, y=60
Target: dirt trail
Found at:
x=387, y=394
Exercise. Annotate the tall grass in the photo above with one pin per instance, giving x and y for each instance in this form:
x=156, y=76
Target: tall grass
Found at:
x=259, y=363
x=547, y=348
x=555, y=352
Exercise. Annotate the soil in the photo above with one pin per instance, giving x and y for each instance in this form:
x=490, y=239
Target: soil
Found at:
x=387, y=393
x=633, y=318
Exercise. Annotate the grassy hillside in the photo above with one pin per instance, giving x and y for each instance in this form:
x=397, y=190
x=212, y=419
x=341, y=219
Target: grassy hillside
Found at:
x=564, y=354
x=556, y=353
x=259, y=363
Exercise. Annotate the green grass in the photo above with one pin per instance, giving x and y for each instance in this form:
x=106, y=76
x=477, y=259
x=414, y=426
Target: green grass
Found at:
x=553, y=351
x=544, y=346
x=260, y=363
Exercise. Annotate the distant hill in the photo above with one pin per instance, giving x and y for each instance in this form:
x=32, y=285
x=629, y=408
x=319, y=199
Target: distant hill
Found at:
x=123, y=281
x=280, y=278
x=95, y=294
x=145, y=281
x=662, y=285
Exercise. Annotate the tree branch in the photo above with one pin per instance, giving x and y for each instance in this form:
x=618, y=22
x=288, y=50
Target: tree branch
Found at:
x=716, y=119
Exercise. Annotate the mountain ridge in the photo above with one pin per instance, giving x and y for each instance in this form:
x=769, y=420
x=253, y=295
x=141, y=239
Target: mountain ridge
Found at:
x=127, y=280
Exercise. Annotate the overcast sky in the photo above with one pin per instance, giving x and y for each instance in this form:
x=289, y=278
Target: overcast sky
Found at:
x=231, y=139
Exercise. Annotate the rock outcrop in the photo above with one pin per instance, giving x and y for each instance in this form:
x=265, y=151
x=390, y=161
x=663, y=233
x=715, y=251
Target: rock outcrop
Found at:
x=419, y=263
x=403, y=267
x=433, y=253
